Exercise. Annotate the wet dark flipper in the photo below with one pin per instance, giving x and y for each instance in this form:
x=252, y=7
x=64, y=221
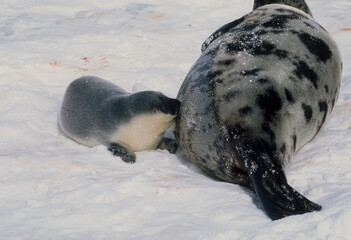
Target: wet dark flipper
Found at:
x=168, y=144
x=278, y=198
x=123, y=152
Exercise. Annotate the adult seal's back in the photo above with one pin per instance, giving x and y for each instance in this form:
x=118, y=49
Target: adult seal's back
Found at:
x=261, y=89
x=95, y=111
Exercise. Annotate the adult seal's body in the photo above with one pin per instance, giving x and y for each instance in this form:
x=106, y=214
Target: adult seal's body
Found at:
x=262, y=88
x=95, y=111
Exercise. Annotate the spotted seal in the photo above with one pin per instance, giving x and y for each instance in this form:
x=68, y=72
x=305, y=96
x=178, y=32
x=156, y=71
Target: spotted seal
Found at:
x=261, y=89
x=95, y=111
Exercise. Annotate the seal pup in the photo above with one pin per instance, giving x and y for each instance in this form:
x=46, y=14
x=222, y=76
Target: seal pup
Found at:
x=97, y=112
x=261, y=89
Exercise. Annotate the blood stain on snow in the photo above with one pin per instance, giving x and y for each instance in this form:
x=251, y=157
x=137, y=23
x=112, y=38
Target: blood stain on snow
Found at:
x=54, y=63
x=158, y=17
x=307, y=163
x=88, y=65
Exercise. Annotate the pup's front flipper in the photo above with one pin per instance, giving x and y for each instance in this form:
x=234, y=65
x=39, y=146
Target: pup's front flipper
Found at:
x=278, y=198
x=169, y=144
x=123, y=152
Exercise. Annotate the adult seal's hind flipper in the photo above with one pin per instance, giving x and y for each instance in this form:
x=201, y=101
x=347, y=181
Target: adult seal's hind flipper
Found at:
x=262, y=88
x=277, y=197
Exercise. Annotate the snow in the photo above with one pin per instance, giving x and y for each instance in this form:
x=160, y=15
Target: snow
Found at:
x=54, y=188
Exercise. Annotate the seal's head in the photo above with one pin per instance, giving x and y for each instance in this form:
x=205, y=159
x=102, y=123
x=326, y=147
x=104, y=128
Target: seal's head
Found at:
x=152, y=102
x=144, y=118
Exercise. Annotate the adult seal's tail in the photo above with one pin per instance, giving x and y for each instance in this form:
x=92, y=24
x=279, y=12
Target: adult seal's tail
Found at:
x=261, y=89
x=95, y=111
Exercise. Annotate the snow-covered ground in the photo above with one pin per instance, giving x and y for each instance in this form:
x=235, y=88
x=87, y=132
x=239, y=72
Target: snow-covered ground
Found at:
x=53, y=188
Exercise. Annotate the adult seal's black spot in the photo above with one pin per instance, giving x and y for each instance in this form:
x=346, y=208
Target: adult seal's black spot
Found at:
x=307, y=112
x=245, y=111
x=316, y=46
x=323, y=107
x=95, y=111
x=289, y=96
x=253, y=72
x=269, y=102
x=265, y=76
x=279, y=21
x=220, y=32
x=303, y=70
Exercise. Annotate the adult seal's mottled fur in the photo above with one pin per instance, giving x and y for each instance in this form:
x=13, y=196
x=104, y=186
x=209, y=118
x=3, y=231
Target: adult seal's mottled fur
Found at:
x=293, y=3
x=95, y=111
x=261, y=89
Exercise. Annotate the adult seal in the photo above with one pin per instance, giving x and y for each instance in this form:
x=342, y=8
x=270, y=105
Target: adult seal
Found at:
x=261, y=89
x=97, y=112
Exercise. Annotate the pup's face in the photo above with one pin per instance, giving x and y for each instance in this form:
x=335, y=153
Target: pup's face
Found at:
x=156, y=102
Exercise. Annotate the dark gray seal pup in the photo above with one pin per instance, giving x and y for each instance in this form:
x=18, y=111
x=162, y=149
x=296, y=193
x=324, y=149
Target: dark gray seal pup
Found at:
x=261, y=89
x=97, y=112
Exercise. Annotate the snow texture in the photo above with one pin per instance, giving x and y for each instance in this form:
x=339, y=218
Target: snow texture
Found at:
x=54, y=188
